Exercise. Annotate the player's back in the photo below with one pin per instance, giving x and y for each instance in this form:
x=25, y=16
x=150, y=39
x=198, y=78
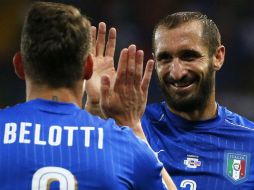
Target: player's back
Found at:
x=47, y=143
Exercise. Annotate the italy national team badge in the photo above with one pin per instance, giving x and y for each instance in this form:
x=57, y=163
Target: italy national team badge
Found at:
x=236, y=166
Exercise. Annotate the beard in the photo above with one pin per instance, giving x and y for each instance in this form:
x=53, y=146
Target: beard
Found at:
x=197, y=100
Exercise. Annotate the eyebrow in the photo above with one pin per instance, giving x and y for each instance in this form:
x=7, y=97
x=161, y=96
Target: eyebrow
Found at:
x=166, y=54
x=191, y=52
x=162, y=55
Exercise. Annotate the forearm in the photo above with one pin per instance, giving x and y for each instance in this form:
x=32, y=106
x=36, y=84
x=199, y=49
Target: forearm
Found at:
x=168, y=180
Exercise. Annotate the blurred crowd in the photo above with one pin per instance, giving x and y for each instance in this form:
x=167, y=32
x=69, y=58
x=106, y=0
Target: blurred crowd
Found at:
x=134, y=21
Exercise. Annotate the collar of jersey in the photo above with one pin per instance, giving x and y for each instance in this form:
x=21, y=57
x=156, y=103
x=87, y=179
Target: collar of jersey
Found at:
x=53, y=106
x=192, y=125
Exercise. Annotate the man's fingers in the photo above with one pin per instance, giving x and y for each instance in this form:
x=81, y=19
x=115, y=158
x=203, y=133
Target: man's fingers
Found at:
x=121, y=68
x=93, y=39
x=105, y=89
x=131, y=65
x=147, y=76
x=139, y=68
x=111, y=44
x=100, y=43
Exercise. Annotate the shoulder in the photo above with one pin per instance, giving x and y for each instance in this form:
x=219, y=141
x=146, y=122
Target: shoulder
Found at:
x=234, y=119
x=12, y=109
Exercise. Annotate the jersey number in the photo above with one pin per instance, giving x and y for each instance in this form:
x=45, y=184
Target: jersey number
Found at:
x=187, y=182
x=43, y=177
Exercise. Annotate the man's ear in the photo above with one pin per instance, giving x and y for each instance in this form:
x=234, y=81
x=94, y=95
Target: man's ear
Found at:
x=88, y=67
x=18, y=66
x=219, y=57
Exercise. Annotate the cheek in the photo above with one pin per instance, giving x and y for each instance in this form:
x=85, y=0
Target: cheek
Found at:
x=161, y=75
x=162, y=71
x=200, y=68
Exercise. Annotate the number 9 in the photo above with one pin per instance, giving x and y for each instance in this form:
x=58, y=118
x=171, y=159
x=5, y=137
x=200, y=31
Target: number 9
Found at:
x=43, y=177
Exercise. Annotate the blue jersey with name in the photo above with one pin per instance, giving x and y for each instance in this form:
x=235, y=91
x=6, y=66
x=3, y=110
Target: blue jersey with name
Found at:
x=51, y=145
x=216, y=154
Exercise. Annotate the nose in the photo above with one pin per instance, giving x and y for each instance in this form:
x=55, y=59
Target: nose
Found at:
x=177, y=70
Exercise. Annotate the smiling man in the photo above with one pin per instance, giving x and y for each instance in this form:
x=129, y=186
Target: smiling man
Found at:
x=202, y=144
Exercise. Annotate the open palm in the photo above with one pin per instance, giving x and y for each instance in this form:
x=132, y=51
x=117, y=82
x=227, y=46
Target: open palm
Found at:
x=103, y=58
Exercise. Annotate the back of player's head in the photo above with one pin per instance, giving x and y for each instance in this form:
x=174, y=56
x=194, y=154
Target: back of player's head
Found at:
x=211, y=34
x=55, y=42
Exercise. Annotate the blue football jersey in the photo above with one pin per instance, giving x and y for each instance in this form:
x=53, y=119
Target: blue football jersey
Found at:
x=46, y=145
x=216, y=154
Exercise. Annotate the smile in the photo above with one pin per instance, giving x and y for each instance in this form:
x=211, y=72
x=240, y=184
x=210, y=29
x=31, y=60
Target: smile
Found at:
x=182, y=87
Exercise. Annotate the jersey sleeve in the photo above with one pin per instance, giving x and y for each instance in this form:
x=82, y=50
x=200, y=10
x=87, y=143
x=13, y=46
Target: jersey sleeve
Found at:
x=147, y=169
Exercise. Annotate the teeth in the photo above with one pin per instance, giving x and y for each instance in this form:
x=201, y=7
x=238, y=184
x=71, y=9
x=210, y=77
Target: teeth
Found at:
x=180, y=85
x=176, y=84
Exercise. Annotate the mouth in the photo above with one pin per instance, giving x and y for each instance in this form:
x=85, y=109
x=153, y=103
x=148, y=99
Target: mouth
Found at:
x=182, y=86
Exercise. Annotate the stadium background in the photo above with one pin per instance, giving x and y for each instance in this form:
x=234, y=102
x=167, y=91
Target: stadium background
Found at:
x=134, y=21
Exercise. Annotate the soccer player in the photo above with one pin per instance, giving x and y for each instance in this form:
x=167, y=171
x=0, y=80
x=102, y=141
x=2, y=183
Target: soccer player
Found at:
x=202, y=144
x=134, y=96
x=49, y=142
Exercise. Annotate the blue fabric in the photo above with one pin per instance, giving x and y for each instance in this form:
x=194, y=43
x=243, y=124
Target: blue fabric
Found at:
x=216, y=154
x=42, y=140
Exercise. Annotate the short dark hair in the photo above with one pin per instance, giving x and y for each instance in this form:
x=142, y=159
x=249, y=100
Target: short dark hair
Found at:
x=211, y=34
x=54, y=44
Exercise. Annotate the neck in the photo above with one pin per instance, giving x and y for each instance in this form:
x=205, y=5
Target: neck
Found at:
x=208, y=112
x=68, y=95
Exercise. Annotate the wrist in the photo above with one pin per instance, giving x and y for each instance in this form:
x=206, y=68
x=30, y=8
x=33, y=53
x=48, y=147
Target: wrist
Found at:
x=135, y=126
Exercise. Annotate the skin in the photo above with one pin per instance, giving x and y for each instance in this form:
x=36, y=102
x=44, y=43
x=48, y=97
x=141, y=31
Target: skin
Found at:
x=69, y=95
x=180, y=55
x=182, y=65
x=104, y=64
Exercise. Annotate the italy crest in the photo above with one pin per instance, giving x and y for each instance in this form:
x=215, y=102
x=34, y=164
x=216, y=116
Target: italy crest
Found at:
x=236, y=166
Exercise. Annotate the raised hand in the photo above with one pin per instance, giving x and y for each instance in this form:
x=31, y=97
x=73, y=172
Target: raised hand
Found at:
x=125, y=100
x=103, y=57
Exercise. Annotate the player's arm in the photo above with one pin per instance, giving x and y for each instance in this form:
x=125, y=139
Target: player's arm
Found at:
x=103, y=57
x=126, y=98
x=148, y=171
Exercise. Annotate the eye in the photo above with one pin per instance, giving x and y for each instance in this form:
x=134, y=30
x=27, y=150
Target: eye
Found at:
x=189, y=55
x=164, y=57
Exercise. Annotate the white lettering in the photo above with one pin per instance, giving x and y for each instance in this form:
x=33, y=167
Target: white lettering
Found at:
x=26, y=132
x=10, y=133
x=70, y=131
x=87, y=134
x=55, y=131
x=23, y=132
x=100, y=138
x=37, y=135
